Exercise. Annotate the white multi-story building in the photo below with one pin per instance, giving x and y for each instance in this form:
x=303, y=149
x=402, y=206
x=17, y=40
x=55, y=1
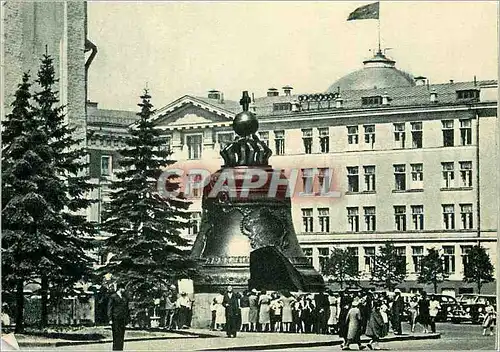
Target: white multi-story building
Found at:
x=414, y=163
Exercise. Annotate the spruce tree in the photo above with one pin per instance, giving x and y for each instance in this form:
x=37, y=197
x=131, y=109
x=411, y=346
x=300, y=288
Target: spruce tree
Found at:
x=69, y=261
x=29, y=186
x=144, y=227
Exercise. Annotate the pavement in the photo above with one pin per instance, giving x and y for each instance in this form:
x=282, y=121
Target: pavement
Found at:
x=205, y=340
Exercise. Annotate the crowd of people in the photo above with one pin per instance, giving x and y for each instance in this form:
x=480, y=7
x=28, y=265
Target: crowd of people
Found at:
x=348, y=314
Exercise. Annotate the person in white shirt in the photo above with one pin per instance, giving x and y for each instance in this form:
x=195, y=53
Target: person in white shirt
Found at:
x=434, y=308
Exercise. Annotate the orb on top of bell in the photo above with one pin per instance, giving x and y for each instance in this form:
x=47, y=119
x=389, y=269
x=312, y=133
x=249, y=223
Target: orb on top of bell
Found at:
x=245, y=123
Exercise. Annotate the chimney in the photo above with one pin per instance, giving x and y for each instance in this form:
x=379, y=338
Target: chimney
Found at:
x=272, y=92
x=434, y=96
x=92, y=105
x=339, y=102
x=451, y=81
x=221, y=98
x=420, y=80
x=214, y=94
x=385, y=99
x=287, y=90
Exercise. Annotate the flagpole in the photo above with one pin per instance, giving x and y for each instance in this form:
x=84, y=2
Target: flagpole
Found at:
x=378, y=20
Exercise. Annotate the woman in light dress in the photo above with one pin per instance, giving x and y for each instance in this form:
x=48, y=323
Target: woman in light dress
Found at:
x=333, y=318
x=287, y=301
x=353, y=321
x=220, y=313
x=264, y=317
x=489, y=318
x=413, y=312
x=384, y=308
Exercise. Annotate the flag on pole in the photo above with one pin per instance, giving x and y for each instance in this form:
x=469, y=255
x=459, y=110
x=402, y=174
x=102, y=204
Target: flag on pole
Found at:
x=366, y=12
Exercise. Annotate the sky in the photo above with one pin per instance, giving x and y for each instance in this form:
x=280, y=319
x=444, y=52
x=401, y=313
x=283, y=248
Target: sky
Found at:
x=178, y=48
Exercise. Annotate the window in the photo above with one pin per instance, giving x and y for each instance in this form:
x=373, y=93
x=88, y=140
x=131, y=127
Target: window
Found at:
x=106, y=166
x=324, y=139
x=307, y=181
x=324, y=219
x=448, y=133
x=369, y=259
x=399, y=135
x=195, y=185
x=224, y=139
x=448, y=216
x=194, y=146
x=466, y=132
x=279, y=140
x=400, y=217
x=466, y=216
x=449, y=259
x=376, y=100
x=308, y=140
x=448, y=175
x=264, y=137
x=307, y=219
x=401, y=252
x=352, y=134
x=417, y=213
x=417, y=176
x=308, y=253
x=467, y=94
x=369, y=172
x=370, y=220
x=195, y=220
x=282, y=106
x=353, y=219
x=416, y=134
x=324, y=179
x=323, y=256
x=466, y=173
x=400, y=177
x=115, y=142
x=417, y=255
x=370, y=134
x=167, y=144
x=465, y=256
x=352, y=179
x=355, y=259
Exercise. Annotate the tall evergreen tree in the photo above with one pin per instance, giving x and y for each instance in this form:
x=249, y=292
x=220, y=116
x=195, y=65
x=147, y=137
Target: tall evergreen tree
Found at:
x=145, y=228
x=29, y=186
x=69, y=261
x=389, y=268
x=478, y=269
x=432, y=269
x=342, y=266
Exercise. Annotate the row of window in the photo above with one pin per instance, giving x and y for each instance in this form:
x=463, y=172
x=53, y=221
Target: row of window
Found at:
x=401, y=218
x=194, y=142
x=417, y=253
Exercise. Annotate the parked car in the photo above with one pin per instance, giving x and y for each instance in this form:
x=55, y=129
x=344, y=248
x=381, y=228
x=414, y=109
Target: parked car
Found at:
x=471, y=308
x=447, y=303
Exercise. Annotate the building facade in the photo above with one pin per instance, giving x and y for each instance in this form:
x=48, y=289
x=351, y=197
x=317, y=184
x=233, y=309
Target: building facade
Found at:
x=413, y=163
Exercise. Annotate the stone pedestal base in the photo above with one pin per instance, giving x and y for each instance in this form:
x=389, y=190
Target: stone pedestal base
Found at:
x=202, y=315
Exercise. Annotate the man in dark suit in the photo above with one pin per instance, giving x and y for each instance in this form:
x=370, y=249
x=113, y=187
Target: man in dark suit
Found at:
x=397, y=311
x=232, y=304
x=118, y=313
x=322, y=312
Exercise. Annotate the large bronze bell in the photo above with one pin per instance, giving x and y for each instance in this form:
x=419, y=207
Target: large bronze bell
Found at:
x=247, y=239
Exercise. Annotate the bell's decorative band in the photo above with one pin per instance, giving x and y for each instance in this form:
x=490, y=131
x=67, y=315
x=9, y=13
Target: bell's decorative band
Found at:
x=244, y=183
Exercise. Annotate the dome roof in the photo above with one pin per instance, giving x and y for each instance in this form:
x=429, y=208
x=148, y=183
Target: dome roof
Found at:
x=378, y=72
